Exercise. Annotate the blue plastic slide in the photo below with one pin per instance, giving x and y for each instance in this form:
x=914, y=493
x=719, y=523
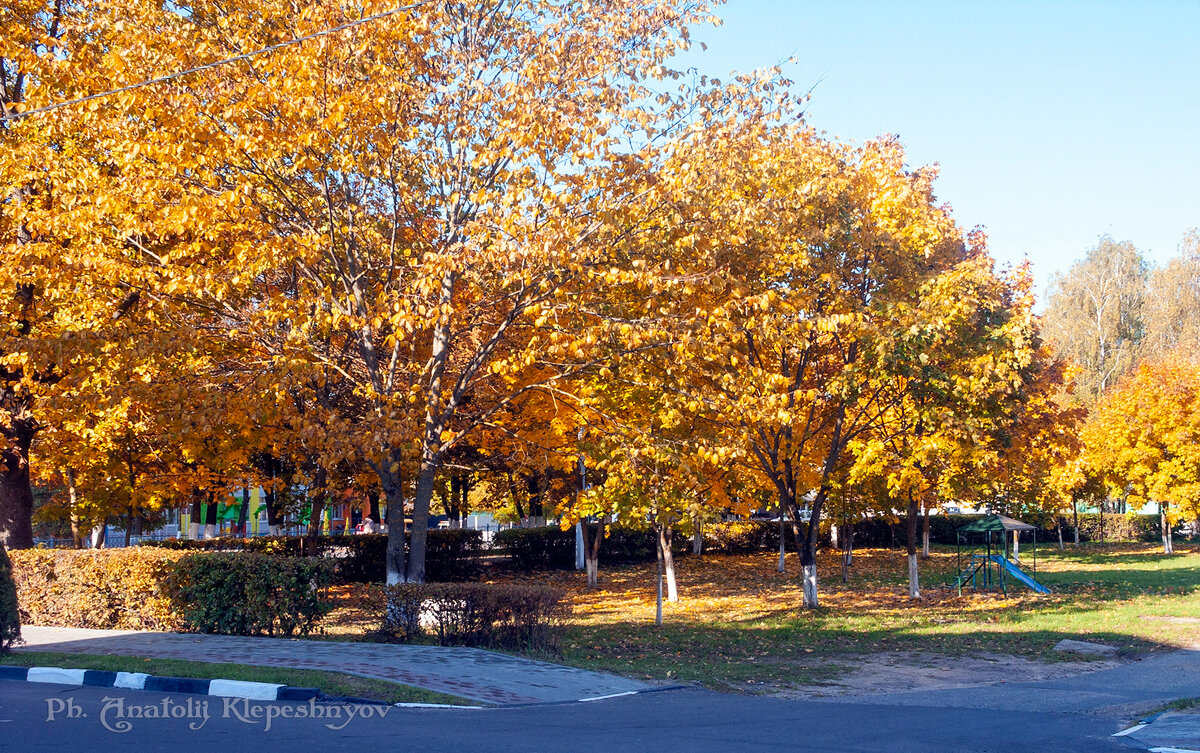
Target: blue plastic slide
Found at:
x=1019, y=574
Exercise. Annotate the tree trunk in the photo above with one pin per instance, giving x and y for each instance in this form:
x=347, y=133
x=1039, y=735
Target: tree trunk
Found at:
x=1075, y=513
x=271, y=502
x=244, y=511
x=73, y=501
x=317, y=496
x=1016, y=551
x=128, y=526
x=1060, y=536
x=1102, y=521
x=373, y=509
x=99, y=534
x=663, y=533
x=393, y=490
x=697, y=535
x=925, y=535
x=16, y=502
x=426, y=474
x=16, y=437
x=782, y=542
x=1168, y=544
x=833, y=537
x=592, y=539
x=847, y=552
x=807, y=540
x=210, y=519
x=196, y=520
x=658, y=590
x=914, y=575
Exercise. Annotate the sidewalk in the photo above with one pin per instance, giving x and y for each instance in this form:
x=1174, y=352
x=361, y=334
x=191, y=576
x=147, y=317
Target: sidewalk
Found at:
x=480, y=675
x=1138, y=685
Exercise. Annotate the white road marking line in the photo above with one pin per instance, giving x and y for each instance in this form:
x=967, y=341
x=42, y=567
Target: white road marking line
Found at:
x=1131, y=730
x=605, y=697
x=1173, y=750
x=433, y=706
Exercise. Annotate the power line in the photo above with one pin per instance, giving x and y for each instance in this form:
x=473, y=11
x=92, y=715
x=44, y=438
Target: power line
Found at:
x=215, y=64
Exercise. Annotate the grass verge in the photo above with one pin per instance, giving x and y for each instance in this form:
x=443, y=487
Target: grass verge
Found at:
x=739, y=621
x=330, y=683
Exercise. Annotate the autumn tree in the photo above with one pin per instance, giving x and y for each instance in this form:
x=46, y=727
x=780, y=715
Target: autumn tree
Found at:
x=1172, y=308
x=952, y=368
x=817, y=241
x=400, y=208
x=1095, y=315
x=1146, y=435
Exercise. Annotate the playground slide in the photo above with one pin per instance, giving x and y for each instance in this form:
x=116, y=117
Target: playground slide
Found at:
x=1019, y=574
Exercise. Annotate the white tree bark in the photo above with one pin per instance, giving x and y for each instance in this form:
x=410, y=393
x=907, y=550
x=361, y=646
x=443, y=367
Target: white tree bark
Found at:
x=914, y=578
x=809, y=576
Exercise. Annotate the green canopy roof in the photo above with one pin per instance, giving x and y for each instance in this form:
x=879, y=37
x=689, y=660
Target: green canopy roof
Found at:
x=996, y=523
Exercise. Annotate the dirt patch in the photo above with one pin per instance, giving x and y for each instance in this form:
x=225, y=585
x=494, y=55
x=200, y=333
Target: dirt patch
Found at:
x=897, y=672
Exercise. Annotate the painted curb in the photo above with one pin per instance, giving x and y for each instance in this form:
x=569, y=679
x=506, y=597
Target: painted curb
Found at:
x=255, y=691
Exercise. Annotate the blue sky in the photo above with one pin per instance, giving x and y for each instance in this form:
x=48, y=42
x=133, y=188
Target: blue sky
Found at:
x=1053, y=122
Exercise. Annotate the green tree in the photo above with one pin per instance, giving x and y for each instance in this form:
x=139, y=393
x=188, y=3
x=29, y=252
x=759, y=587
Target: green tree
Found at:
x=10, y=615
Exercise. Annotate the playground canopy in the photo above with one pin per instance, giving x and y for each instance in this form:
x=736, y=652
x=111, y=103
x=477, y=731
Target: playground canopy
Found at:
x=996, y=523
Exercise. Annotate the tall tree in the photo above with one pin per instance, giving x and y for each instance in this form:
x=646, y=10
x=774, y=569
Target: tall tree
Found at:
x=1095, y=315
x=1146, y=436
x=1172, y=308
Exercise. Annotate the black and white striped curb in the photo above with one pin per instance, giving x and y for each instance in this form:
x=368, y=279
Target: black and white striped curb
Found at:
x=255, y=691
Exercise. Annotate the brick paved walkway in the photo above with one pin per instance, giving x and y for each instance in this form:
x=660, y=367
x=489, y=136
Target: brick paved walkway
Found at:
x=480, y=675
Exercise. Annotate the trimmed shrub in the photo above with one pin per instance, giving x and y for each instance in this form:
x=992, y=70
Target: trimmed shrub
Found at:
x=541, y=548
x=746, y=536
x=551, y=548
x=123, y=589
x=248, y=593
x=474, y=614
x=450, y=554
x=10, y=616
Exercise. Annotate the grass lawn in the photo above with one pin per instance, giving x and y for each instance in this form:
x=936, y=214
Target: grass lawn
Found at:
x=738, y=620
x=330, y=683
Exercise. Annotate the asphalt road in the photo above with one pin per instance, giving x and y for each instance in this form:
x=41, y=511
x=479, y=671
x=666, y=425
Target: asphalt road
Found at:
x=36, y=717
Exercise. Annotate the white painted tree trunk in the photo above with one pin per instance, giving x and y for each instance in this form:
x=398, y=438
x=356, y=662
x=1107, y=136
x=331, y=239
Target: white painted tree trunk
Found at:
x=210, y=530
x=98, y=535
x=914, y=578
x=782, y=544
x=194, y=529
x=1016, y=550
x=809, y=576
x=668, y=562
x=1168, y=543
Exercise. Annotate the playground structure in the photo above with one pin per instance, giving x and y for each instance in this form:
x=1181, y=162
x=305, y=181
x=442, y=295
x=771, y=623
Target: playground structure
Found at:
x=993, y=569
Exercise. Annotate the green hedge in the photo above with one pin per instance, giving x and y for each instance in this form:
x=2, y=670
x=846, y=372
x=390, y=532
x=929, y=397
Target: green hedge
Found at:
x=10, y=616
x=746, y=536
x=450, y=554
x=551, y=548
x=474, y=614
x=247, y=593
x=943, y=529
